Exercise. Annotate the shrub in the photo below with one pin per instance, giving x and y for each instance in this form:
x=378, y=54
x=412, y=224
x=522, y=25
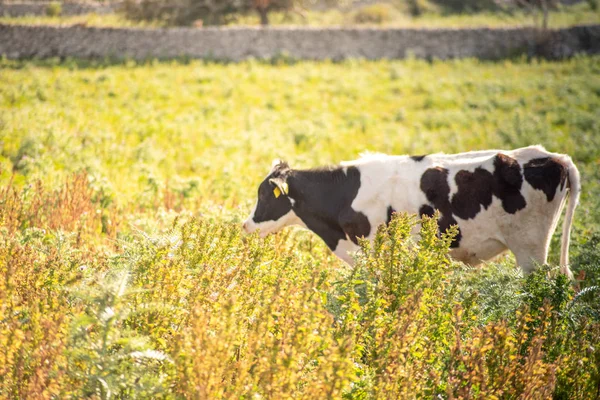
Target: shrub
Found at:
x=417, y=7
x=106, y=356
x=210, y=12
x=247, y=321
x=461, y=6
x=413, y=314
x=465, y=6
x=375, y=14
x=182, y=12
x=54, y=9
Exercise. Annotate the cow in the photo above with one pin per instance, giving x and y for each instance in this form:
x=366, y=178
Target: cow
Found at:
x=499, y=199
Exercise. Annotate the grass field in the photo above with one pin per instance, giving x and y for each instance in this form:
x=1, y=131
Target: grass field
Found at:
x=124, y=273
x=377, y=15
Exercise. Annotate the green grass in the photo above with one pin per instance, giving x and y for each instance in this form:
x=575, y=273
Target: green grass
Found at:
x=104, y=20
x=579, y=14
x=131, y=278
x=220, y=125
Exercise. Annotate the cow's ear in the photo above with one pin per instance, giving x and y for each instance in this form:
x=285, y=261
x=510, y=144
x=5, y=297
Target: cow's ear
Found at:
x=279, y=164
x=280, y=186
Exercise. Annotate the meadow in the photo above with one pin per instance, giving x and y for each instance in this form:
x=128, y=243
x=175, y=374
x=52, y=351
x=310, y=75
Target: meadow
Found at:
x=124, y=274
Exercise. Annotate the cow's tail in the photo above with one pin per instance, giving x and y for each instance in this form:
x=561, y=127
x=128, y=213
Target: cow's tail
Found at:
x=574, y=190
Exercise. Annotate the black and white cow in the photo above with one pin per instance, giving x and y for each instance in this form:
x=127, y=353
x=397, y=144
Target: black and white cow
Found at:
x=499, y=199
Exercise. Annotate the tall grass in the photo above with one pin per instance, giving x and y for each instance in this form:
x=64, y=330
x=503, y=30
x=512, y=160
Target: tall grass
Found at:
x=202, y=312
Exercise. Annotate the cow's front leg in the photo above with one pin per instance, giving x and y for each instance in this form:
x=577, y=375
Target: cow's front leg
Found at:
x=355, y=225
x=346, y=250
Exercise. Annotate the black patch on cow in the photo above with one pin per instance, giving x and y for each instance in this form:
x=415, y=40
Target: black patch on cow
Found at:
x=507, y=183
x=546, y=174
x=418, y=158
x=323, y=199
x=390, y=213
x=355, y=224
x=474, y=190
x=427, y=210
x=434, y=183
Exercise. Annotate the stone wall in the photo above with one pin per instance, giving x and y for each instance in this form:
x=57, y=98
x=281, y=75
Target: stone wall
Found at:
x=22, y=9
x=19, y=41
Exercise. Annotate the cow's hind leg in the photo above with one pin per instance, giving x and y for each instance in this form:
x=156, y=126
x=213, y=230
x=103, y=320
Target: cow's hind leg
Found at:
x=529, y=261
x=530, y=253
x=529, y=237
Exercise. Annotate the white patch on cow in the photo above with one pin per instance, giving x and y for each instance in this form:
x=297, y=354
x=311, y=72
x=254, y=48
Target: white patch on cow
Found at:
x=462, y=157
x=528, y=153
x=275, y=163
x=368, y=157
x=377, y=184
x=479, y=242
x=268, y=227
x=388, y=181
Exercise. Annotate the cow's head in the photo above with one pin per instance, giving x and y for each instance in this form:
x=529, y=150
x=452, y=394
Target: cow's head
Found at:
x=273, y=208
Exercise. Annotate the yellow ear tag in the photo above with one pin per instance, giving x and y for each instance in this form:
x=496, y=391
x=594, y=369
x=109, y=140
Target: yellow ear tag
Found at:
x=277, y=192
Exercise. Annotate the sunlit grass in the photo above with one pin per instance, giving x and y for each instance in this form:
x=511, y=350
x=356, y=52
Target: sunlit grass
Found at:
x=99, y=20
